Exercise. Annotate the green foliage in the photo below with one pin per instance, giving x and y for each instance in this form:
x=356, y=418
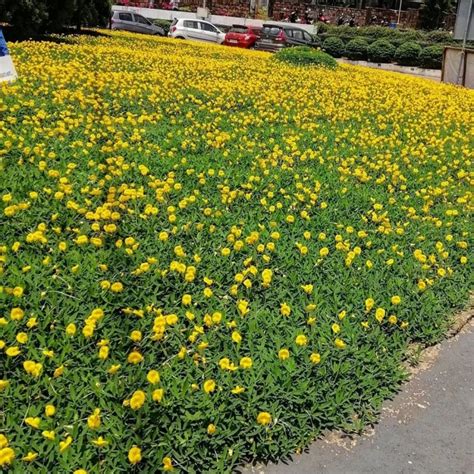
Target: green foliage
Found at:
x=305, y=56
x=431, y=57
x=381, y=51
x=357, y=49
x=334, y=46
x=39, y=16
x=440, y=36
x=165, y=24
x=407, y=53
x=433, y=13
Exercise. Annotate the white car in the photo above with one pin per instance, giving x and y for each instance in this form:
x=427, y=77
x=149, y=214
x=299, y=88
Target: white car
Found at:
x=199, y=30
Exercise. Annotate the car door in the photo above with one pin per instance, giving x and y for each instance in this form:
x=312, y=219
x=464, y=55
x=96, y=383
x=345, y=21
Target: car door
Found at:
x=208, y=32
x=125, y=22
x=192, y=30
x=142, y=24
x=308, y=39
x=297, y=38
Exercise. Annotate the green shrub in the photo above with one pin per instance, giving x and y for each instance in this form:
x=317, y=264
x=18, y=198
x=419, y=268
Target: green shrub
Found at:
x=381, y=51
x=165, y=24
x=431, y=57
x=357, y=49
x=407, y=54
x=440, y=36
x=334, y=46
x=305, y=56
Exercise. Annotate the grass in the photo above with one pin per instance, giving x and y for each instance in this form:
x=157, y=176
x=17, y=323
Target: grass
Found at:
x=209, y=257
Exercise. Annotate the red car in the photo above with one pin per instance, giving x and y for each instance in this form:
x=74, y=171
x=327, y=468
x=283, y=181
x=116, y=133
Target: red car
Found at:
x=242, y=36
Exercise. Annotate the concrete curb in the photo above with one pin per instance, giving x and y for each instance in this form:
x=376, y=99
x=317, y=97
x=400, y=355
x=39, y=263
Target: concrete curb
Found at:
x=434, y=74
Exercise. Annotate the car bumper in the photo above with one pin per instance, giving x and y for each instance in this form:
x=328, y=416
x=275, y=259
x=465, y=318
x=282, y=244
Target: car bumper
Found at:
x=271, y=47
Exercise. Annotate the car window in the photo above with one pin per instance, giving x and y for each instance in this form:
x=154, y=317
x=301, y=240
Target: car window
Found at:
x=271, y=30
x=307, y=36
x=141, y=19
x=208, y=27
x=191, y=24
x=125, y=16
x=297, y=35
x=238, y=29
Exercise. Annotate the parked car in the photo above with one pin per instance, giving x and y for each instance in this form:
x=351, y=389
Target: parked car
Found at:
x=129, y=21
x=276, y=37
x=199, y=30
x=242, y=36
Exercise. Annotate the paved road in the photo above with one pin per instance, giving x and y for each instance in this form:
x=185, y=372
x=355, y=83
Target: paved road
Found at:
x=427, y=428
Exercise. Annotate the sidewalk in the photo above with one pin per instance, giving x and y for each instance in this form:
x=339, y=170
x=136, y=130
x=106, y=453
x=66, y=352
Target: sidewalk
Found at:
x=427, y=428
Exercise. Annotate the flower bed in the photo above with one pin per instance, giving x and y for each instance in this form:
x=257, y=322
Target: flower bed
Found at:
x=209, y=257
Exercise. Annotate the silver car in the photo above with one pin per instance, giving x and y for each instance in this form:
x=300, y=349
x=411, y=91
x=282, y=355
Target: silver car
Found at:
x=129, y=21
x=199, y=30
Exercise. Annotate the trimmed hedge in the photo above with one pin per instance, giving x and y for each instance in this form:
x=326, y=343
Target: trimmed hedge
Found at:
x=334, y=46
x=357, y=49
x=305, y=56
x=381, y=51
x=407, y=54
x=431, y=57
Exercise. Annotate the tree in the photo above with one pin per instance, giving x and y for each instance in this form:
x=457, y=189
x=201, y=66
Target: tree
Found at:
x=433, y=13
x=40, y=16
x=27, y=16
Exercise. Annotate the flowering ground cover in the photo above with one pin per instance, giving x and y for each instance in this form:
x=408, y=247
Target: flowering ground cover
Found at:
x=210, y=257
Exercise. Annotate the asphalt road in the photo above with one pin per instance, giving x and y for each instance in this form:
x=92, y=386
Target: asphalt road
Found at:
x=427, y=428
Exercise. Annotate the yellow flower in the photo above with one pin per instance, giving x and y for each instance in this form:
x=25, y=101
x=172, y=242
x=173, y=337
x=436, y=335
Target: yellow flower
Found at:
x=100, y=442
x=315, y=358
x=307, y=288
x=80, y=471
x=379, y=314
x=116, y=287
x=167, y=464
x=369, y=304
x=336, y=328
x=264, y=418
x=4, y=384
x=236, y=337
x=137, y=400
x=339, y=343
x=395, y=299
x=134, y=455
x=30, y=457
x=157, y=395
x=153, y=377
x=209, y=386
x=211, y=429
x=34, y=422
x=22, y=338
x=243, y=307
x=267, y=275
x=246, y=363
x=17, y=314
x=49, y=435
x=93, y=421
x=134, y=357
x=113, y=369
x=301, y=340
x=237, y=390
x=392, y=319
x=7, y=456
x=285, y=309
x=186, y=300
x=283, y=354
x=71, y=329
x=63, y=445
x=13, y=351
